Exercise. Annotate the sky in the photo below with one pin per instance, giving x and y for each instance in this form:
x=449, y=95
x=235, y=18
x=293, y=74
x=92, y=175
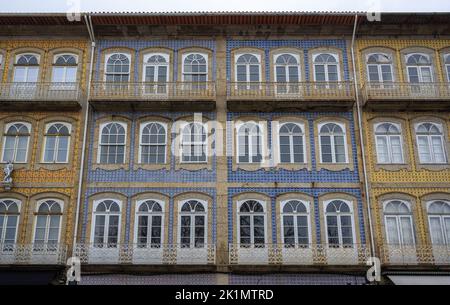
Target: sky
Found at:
x=55, y=6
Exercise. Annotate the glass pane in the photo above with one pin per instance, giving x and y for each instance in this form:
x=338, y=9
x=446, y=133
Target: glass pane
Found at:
x=393, y=236
x=407, y=232
x=436, y=231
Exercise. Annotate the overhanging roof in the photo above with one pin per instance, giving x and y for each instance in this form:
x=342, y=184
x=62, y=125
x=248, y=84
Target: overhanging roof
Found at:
x=221, y=18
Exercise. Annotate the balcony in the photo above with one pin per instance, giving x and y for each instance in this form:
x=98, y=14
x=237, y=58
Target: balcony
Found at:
x=134, y=254
x=304, y=255
x=403, y=255
x=271, y=96
x=33, y=254
x=407, y=96
x=154, y=96
x=40, y=96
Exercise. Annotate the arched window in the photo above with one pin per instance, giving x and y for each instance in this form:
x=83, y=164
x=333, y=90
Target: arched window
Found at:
x=65, y=68
x=9, y=219
x=149, y=216
x=249, y=143
x=430, y=143
x=112, y=143
x=326, y=68
x=398, y=221
x=15, y=145
x=48, y=223
x=333, y=146
x=287, y=68
x=419, y=68
x=153, y=143
x=26, y=68
x=252, y=219
x=117, y=68
x=193, y=143
x=447, y=66
x=292, y=143
x=388, y=143
x=156, y=72
x=339, y=222
x=248, y=68
x=193, y=224
x=106, y=223
x=295, y=217
x=56, y=143
x=195, y=68
x=379, y=68
x=439, y=221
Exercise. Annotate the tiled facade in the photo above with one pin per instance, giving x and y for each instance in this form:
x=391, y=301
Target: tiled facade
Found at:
x=221, y=183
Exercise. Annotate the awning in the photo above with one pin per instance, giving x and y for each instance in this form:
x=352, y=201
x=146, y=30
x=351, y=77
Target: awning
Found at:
x=420, y=279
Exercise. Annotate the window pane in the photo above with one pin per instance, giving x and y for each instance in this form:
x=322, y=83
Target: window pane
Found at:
x=392, y=231
x=407, y=233
x=436, y=231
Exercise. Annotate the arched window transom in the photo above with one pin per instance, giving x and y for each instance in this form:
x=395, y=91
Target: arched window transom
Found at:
x=295, y=217
x=117, y=68
x=153, y=143
x=48, y=223
x=419, y=68
x=292, y=143
x=149, y=224
x=248, y=68
x=251, y=218
x=333, y=146
x=106, y=223
x=26, y=69
x=112, y=143
x=430, y=143
x=9, y=220
x=398, y=222
x=339, y=221
x=65, y=69
x=15, y=143
x=379, y=68
x=56, y=143
x=195, y=68
x=388, y=143
x=193, y=224
x=326, y=68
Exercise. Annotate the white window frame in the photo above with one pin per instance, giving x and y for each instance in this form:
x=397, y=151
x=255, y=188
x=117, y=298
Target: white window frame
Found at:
x=28, y=125
x=263, y=143
x=247, y=69
x=145, y=65
x=430, y=143
x=441, y=217
x=252, y=233
x=192, y=223
x=65, y=67
x=291, y=146
x=339, y=225
x=141, y=128
x=333, y=149
x=294, y=215
x=397, y=218
x=107, y=57
x=418, y=67
x=47, y=126
x=150, y=222
x=47, y=223
x=275, y=65
x=327, y=77
x=388, y=143
x=183, y=57
x=5, y=221
x=447, y=66
x=100, y=133
x=206, y=143
x=38, y=57
x=106, y=225
x=379, y=67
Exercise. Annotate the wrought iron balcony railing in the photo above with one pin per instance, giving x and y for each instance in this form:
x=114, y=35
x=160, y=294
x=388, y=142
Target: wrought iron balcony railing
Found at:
x=283, y=254
x=408, y=91
x=175, y=254
x=153, y=91
x=308, y=91
x=33, y=254
x=39, y=92
x=415, y=254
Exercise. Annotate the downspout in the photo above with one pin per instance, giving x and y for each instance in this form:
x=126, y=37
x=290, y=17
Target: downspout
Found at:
x=361, y=139
x=90, y=28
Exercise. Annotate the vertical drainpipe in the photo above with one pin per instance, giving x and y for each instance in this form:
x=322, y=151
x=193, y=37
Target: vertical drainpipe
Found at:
x=361, y=140
x=90, y=28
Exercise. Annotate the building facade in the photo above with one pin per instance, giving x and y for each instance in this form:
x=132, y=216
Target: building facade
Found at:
x=226, y=148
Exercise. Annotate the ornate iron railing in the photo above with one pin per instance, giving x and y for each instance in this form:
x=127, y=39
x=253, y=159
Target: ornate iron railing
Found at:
x=153, y=91
x=39, y=254
x=408, y=91
x=415, y=254
x=43, y=91
x=290, y=91
x=283, y=254
x=174, y=254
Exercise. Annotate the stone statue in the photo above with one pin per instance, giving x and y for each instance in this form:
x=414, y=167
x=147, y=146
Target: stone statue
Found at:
x=8, y=169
